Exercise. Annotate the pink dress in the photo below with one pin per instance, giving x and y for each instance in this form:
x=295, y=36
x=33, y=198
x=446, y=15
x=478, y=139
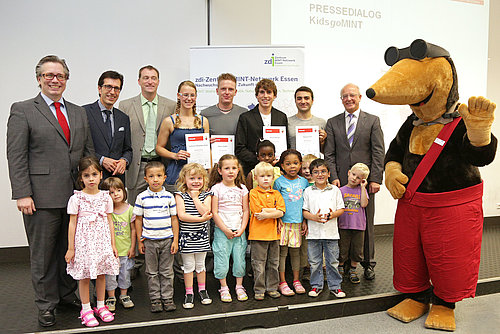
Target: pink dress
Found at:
x=93, y=252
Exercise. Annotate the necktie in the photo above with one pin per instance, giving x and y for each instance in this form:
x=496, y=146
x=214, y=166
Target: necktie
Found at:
x=150, y=140
x=109, y=130
x=350, y=129
x=62, y=121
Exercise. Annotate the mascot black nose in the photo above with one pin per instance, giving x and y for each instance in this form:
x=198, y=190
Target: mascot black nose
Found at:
x=370, y=92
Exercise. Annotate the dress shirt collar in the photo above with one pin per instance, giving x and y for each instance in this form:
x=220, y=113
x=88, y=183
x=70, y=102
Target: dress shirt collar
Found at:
x=102, y=107
x=328, y=187
x=356, y=114
x=49, y=101
x=144, y=100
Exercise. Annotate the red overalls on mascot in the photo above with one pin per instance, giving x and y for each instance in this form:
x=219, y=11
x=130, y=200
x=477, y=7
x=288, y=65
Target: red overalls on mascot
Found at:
x=438, y=223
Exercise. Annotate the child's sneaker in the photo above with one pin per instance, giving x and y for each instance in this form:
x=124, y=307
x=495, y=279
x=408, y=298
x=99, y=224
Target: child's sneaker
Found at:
x=111, y=303
x=299, y=289
x=314, y=292
x=285, y=289
x=341, y=270
x=274, y=294
x=168, y=305
x=188, y=301
x=126, y=301
x=156, y=306
x=353, y=276
x=225, y=295
x=338, y=293
x=205, y=299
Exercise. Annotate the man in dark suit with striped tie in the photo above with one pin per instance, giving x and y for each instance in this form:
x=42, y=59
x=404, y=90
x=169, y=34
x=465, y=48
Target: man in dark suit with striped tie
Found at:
x=110, y=127
x=356, y=136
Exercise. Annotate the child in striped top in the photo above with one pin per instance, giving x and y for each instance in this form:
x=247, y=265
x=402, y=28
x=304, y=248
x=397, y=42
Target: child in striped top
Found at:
x=194, y=211
x=157, y=230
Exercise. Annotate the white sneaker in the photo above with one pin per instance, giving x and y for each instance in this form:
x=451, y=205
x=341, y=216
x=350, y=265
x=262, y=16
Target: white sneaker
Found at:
x=338, y=293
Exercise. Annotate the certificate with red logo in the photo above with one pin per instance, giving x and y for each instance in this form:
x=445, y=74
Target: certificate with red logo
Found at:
x=307, y=139
x=277, y=135
x=221, y=145
x=198, y=146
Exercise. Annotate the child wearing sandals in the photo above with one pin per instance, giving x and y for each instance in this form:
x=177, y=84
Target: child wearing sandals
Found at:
x=91, y=240
x=291, y=186
x=194, y=209
x=267, y=206
x=124, y=224
x=230, y=213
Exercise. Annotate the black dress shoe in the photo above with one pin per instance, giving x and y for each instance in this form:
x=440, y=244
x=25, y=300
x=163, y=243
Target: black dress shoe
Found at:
x=46, y=318
x=369, y=273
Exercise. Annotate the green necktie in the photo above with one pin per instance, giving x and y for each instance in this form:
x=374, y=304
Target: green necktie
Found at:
x=150, y=140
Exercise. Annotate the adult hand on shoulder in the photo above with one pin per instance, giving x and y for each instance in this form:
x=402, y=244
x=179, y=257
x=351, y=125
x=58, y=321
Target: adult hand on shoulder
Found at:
x=336, y=183
x=373, y=187
x=26, y=205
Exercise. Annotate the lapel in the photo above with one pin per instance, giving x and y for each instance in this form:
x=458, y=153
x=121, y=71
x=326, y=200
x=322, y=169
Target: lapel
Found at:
x=160, y=112
x=137, y=109
x=341, y=125
x=44, y=109
x=96, y=114
x=72, y=121
x=359, y=127
x=258, y=120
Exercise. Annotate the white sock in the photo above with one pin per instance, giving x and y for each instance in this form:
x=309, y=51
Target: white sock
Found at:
x=86, y=307
x=100, y=303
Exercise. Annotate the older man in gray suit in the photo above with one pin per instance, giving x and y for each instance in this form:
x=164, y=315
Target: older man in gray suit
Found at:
x=46, y=137
x=144, y=129
x=356, y=136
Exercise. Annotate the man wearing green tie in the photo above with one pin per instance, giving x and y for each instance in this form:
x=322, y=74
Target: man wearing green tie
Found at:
x=146, y=112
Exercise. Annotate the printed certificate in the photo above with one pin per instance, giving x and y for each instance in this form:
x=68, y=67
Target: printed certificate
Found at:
x=277, y=135
x=307, y=140
x=198, y=146
x=221, y=145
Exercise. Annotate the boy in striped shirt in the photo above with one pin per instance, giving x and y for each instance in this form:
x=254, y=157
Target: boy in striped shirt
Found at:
x=157, y=229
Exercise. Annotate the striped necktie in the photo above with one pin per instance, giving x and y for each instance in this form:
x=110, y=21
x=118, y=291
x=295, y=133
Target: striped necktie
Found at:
x=350, y=129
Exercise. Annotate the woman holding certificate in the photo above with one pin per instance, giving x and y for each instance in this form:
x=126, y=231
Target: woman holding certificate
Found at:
x=184, y=121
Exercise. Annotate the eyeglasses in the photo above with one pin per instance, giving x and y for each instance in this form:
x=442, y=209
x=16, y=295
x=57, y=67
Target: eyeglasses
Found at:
x=346, y=96
x=50, y=76
x=186, y=95
x=109, y=88
x=320, y=172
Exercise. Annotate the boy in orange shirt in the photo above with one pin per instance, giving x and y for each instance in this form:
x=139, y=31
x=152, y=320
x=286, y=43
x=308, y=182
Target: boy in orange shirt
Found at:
x=266, y=205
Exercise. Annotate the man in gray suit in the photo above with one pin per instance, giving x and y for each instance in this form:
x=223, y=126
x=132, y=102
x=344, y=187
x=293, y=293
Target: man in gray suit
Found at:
x=356, y=136
x=46, y=137
x=144, y=129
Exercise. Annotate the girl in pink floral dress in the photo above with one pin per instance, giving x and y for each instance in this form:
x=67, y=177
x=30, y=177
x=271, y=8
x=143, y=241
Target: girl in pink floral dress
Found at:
x=91, y=240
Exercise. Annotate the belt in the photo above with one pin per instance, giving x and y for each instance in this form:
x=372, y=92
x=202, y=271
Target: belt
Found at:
x=150, y=159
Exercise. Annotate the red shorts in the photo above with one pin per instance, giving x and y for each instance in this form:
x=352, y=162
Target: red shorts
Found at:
x=437, y=237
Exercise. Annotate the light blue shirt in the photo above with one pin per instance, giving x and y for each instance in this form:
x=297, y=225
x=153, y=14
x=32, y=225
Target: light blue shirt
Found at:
x=293, y=194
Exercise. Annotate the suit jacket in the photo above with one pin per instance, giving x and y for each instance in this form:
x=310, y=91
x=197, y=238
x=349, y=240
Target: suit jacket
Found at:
x=41, y=164
x=120, y=146
x=367, y=147
x=249, y=131
x=133, y=108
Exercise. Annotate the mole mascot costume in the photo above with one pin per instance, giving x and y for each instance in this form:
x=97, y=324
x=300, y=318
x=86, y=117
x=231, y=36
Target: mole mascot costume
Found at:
x=431, y=167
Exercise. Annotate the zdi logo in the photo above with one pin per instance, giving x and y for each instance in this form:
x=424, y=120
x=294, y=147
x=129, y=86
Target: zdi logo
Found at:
x=269, y=61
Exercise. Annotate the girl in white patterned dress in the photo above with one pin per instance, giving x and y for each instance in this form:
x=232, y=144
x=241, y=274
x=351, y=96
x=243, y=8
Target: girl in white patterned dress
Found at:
x=91, y=240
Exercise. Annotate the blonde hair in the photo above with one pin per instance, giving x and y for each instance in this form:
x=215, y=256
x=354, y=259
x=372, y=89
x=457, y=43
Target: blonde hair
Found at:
x=309, y=158
x=362, y=168
x=189, y=169
x=197, y=119
x=263, y=167
x=215, y=176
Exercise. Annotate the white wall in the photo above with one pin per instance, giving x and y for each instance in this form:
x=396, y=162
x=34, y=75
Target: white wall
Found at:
x=93, y=36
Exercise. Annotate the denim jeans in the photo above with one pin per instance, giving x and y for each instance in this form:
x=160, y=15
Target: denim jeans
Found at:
x=315, y=250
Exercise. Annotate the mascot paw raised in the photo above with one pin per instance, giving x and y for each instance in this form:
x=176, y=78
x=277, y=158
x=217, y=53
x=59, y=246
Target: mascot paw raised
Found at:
x=432, y=169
